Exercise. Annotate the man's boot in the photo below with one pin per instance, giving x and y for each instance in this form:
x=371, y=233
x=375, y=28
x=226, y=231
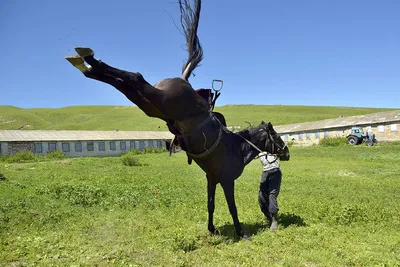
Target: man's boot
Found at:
x=274, y=222
x=269, y=219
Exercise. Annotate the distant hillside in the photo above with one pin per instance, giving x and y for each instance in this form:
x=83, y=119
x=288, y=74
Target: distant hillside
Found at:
x=132, y=118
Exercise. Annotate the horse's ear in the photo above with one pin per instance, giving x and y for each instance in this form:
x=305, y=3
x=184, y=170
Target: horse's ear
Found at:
x=270, y=125
x=262, y=123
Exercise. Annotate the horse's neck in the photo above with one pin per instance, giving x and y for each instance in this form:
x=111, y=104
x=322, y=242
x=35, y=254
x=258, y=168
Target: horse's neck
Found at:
x=248, y=152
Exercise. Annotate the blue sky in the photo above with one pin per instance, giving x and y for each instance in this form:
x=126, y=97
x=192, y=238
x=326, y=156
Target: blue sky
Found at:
x=310, y=52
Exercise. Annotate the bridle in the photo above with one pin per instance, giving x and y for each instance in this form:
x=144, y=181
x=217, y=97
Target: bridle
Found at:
x=267, y=140
x=274, y=143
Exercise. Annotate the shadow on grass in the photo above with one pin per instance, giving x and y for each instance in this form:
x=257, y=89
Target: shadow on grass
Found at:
x=285, y=220
x=251, y=229
x=288, y=219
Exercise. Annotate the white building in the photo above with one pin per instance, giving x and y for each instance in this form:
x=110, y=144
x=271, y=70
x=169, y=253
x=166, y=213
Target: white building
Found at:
x=81, y=143
x=385, y=126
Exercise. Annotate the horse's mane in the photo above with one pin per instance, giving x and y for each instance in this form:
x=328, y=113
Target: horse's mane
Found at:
x=250, y=131
x=190, y=22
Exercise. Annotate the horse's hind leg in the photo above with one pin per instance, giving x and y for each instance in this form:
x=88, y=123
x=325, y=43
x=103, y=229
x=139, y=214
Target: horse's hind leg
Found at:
x=119, y=84
x=135, y=80
x=79, y=63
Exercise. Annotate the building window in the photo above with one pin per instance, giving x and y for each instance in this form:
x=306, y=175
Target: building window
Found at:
x=65, y=147
x=38, y=148
x=141, y=145
x=78, y=147
x=308, y=136
x=326, y=134
x=132, y=145
x=52, y=147
x=300, y=136
x=150, y=143
x=368, y=129
x=285, y=137
x=90, y=146
x=102, y=146
x=159, y=144
x=393, y=127
x=122, y=145
x=112, y=145
x=381, y=128
x=317, y=135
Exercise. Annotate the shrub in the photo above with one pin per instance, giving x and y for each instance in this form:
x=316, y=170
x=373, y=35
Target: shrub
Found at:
x=20, y=157
x=130, y=160
x=289, y=143
x=55, y=155
x=145, y=151
x=3, y=158
x=333, y=141
x=2, y=177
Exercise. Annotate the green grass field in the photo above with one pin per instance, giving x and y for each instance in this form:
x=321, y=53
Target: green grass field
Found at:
x=132, y=118
x=340, y=206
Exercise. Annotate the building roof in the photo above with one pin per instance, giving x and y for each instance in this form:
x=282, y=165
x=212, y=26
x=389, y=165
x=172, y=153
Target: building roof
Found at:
x=361, y=120
x=67, y=135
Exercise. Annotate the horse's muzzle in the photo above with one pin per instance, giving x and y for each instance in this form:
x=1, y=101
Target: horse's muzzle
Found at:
x=285, y=155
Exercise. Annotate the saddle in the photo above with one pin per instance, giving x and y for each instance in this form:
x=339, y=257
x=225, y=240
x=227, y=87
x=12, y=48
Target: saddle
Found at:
x=208, y=96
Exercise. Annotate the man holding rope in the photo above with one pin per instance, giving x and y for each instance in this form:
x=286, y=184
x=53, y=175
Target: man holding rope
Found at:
x=269, y=188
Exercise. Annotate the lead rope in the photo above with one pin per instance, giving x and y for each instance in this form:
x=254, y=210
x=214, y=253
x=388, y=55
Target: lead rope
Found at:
x=250, y=143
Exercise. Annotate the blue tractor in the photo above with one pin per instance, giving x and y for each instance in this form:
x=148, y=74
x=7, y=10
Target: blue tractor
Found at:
x=357, y=136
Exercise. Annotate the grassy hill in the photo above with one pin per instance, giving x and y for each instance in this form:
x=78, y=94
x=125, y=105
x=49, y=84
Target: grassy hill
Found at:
x=132, y=118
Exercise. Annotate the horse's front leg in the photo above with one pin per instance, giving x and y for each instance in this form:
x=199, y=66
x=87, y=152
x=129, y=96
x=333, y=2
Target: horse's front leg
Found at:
x=229, y=189
x=211, y=186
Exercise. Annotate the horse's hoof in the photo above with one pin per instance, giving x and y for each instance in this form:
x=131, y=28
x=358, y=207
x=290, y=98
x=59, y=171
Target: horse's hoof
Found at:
x=213, y=231
x=216, y=232
x=84, y=51
x=246, y=237
x=78, y=63
x=75, y=60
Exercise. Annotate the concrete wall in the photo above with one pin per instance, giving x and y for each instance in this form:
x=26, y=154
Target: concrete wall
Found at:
x=42, y=148
x=389, y=132
x=382, y=131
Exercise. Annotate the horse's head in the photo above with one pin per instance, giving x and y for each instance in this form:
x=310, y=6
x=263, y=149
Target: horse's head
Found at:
x=267, y=139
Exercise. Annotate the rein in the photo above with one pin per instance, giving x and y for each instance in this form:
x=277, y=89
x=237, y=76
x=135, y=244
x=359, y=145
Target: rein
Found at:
x=250, y=143
x=273, y=143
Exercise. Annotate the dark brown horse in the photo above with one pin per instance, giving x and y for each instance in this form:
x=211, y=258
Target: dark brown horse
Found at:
x=220, y=153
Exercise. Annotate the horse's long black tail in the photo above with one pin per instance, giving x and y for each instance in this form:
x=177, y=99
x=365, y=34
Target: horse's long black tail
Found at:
x=190, y=21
